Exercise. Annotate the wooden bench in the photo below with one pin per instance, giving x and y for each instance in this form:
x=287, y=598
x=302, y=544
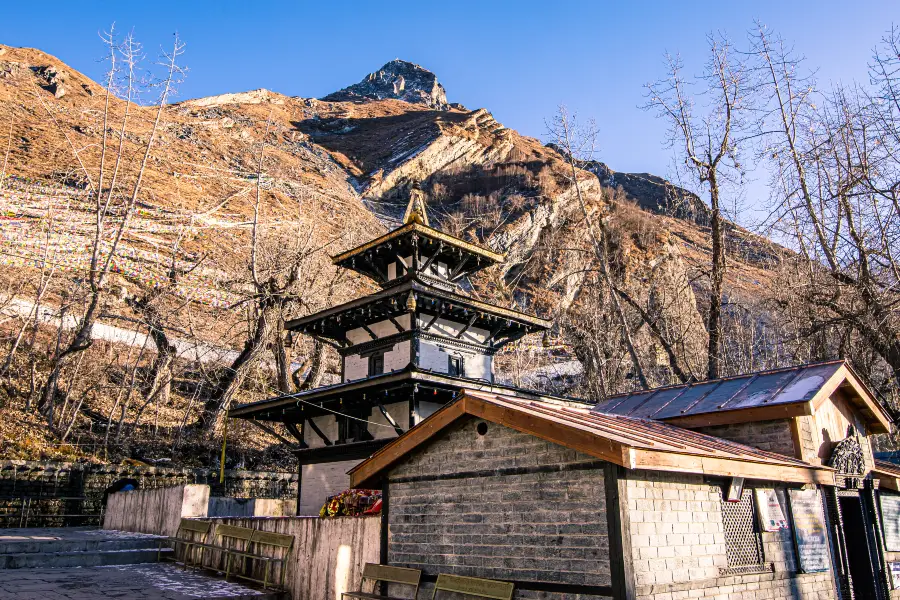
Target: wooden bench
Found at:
x=181, y=537
x=473, y=586
x=253, y=539
x=386, y=574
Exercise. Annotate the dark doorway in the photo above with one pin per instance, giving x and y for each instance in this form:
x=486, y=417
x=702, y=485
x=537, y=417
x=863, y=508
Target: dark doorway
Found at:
x=859, y=554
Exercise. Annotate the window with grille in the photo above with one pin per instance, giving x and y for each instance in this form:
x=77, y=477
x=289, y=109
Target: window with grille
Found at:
x=376, y=364
x=456, y=366
x=743, y=541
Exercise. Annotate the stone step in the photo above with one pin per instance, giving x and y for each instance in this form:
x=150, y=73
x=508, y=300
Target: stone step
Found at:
x=54, y=560
x=77, y=545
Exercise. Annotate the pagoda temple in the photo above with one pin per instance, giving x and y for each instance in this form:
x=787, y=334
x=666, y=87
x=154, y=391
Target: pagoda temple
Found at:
x=406, y=350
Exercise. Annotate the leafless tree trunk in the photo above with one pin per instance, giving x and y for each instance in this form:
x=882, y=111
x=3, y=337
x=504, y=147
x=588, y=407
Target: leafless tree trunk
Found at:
x=709, y=147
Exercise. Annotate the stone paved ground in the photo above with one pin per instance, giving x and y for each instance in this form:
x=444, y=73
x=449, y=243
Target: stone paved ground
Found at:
x=150, y=581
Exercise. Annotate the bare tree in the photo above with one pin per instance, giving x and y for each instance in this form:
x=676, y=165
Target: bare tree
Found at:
x=107, y=235
x=836, y=185
x=709, y=143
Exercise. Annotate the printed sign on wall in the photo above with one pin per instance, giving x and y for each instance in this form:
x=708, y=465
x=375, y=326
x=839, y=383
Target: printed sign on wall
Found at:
x=890, y=517
x=771, y=506
x=809, y=530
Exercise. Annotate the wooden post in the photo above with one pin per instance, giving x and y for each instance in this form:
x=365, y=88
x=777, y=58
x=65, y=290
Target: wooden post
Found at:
x=619, y=532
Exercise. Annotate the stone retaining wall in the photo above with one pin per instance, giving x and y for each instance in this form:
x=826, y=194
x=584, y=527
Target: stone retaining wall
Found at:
x=48, y=480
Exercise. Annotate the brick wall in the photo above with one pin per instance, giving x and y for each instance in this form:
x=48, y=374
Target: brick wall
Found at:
x=678, y=546
x=774, y=436
x=503, y=505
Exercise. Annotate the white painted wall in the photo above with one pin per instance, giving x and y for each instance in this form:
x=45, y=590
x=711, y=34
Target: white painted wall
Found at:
x=436, y=358
x=320, y=481
x=426, y=409
x=357, y=367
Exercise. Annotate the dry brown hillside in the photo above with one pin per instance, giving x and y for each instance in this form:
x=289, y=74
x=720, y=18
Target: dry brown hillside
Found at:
x=337, y=172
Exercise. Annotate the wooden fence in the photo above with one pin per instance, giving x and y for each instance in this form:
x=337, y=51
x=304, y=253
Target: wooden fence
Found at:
x=328, y=554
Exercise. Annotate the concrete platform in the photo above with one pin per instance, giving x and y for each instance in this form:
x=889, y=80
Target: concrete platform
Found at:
x=74, y=547
x=152, y=581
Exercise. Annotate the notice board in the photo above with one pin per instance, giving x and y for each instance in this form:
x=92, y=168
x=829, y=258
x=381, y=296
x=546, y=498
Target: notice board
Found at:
x=810, y=534
x=890, y=518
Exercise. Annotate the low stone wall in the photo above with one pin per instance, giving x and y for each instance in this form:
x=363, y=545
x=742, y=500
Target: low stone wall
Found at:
x=156, y=511
x=48, y=480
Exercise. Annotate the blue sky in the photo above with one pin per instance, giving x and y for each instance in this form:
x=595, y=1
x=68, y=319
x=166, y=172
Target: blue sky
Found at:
x=517, y=59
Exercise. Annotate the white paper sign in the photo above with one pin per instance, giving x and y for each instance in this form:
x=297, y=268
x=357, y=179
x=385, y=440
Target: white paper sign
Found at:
x=771, y=506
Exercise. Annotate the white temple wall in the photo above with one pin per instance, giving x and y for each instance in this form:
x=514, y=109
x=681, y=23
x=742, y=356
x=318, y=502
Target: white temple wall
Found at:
x=319, y=481
x=327, y=424
x=436, y=358
x=357, y=367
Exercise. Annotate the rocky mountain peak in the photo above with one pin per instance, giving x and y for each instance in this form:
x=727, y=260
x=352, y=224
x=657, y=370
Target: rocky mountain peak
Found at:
x=399, y=80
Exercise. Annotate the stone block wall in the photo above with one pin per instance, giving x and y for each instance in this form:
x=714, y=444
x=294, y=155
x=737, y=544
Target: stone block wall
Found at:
x=678, y=546
x=774, y=436
x=503, y=505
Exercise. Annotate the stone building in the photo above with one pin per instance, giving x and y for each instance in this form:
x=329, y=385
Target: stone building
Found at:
x=760, y=486
x=405, y=350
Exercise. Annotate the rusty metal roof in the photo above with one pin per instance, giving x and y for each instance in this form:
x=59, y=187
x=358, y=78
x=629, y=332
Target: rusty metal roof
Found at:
x=766, y=388
x=637, y=432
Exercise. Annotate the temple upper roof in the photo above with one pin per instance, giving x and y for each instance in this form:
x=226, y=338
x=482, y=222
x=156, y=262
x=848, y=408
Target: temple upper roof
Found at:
x=417, y=246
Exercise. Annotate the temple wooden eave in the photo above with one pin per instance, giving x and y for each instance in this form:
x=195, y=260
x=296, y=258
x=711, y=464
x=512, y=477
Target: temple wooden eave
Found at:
x=424, y=231
x=285, y=408
x=398, y=295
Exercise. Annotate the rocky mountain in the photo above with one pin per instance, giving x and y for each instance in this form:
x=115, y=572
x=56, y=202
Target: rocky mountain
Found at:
x=340, y=169
x=397, y=80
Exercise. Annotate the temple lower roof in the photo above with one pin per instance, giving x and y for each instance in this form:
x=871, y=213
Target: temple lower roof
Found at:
x=293, y=408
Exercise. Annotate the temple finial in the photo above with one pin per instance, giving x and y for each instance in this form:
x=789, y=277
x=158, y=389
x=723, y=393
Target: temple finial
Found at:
x=415, y=211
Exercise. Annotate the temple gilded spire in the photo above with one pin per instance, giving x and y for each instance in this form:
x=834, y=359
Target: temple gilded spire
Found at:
x=415, y=210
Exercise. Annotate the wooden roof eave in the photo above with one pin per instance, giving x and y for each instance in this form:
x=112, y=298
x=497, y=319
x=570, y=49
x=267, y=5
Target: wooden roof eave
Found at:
x=591, y=444
x=731, y=467
x=782, y=410
x=423, y=288
x=425, y=231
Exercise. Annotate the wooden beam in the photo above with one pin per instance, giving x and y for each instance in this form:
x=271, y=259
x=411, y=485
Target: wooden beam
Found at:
x=396, y=324
x=273, y=433
x=430, y=260
x=382, y=277
x=431, y=322
x=730, y=467
x=390, y=419
x=743, y=415
x=618, y=527
x=297, y=433
x=369, y=331
x=318, y=432
x=467, y=325
x=458, y=270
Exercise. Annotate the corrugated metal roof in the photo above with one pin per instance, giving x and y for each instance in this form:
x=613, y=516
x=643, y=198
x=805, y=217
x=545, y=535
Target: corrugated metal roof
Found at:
x=636, y=432
x=766, y=388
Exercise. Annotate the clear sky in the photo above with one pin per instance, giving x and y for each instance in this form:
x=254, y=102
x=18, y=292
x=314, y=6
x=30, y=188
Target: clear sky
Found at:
x=519, y=59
